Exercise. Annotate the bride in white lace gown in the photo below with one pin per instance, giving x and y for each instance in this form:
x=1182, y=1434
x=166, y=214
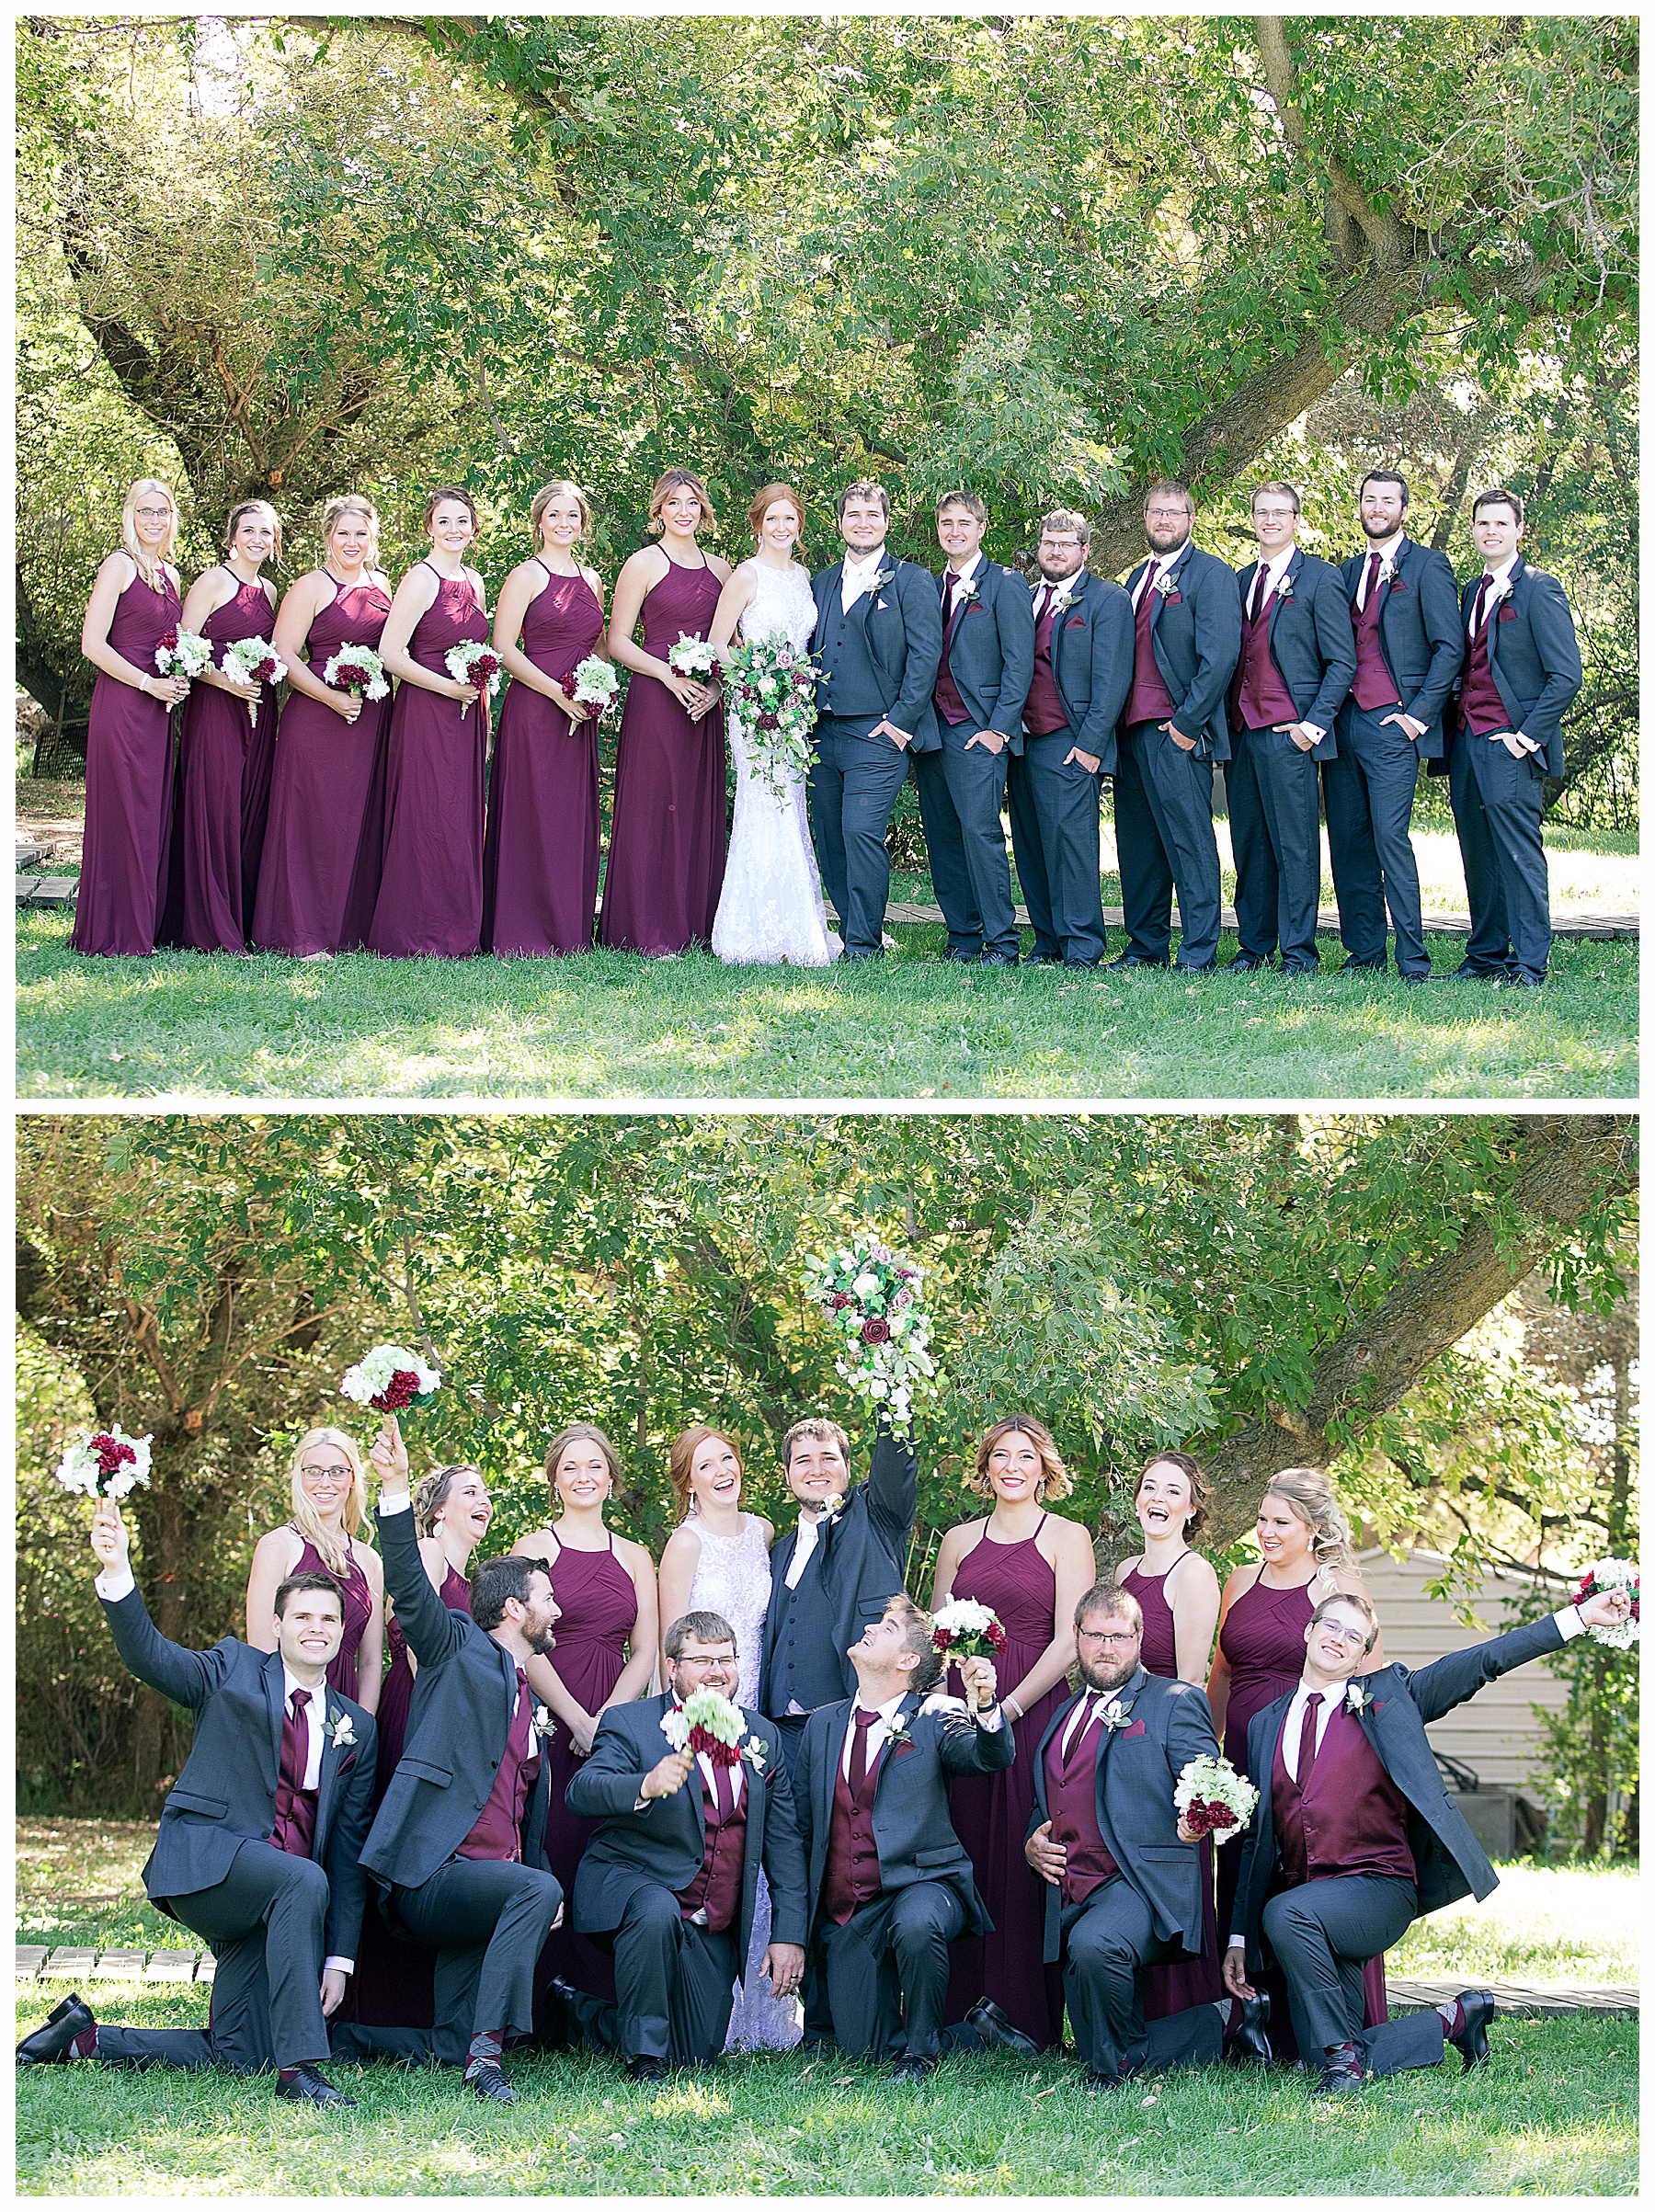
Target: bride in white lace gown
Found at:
x=770, y=909
x=717, y=1560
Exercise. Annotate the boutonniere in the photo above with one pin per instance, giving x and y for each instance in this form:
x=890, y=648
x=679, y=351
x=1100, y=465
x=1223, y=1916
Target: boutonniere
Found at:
x=897, y=1728
x=1164, y=584
x=830, y=1511
x=1116, y=1715
x=1356, y=1698
x=340, y=1731
x=1065, y=599
x=963, y=592
x=1284, y=589
x=886, y=575
x=542, y=1723
x=754, y=1752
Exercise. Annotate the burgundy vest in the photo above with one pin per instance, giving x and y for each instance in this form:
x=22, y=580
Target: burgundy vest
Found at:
x=1072, y=1807
x=1349, y=1817
x=1148, y=701
x=295, y=1807
x=498, y=1831
x=1043, y=712
x=952, y=707
x=1482, y=707
x=1258, y=699
x=852, y=1874
x=717, y=1884
x=1374, y=687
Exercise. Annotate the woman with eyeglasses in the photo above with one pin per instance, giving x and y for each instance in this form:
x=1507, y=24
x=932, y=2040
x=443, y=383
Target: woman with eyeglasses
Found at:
x=330, y=1502
x=135, y=602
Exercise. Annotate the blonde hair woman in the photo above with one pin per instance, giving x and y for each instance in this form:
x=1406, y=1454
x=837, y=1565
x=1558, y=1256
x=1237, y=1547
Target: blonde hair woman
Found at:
x=330, y=1502
x=135, y=603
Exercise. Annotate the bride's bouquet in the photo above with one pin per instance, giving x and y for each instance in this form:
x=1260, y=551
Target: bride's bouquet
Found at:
x=707, y=1724
x=472, y=662
x=1214, y=1799
x=871, y=1300
x=963, y=1629
x=771, y=687
x=390, y=1379
x=253, y=660
x=106, y=1465
x=1612, y=1574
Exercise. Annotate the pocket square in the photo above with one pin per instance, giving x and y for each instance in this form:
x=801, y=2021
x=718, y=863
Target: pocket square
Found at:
x=1172, y=598
x=1134, y=1728
x=346, y=1764
x=882, y=603
x=1397, y=585
x=1508, y=614
x=1077, y=621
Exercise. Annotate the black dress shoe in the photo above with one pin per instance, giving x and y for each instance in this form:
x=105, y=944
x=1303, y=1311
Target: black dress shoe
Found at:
x=307, y=2087
x=1244, y=961
x=1249, y=2043
x=647, y=2069
x=557, y=2024
x=848, y=959
x=998, y=2032
x=1098, y=2082
x=1082, y=963
x=1516, y=979
x=49, y=2045
x=1352, y=966
x=1424, y=976
x=1340, y=2071
x=913, y=2067
x=949, y=952
x=488, y=2081
x=1136, y=960
x=1466, y=973
x=1472, y=2040
x=997, y=959
x=1045, y=960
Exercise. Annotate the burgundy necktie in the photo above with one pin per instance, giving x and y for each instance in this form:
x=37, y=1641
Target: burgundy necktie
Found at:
x=1258, y=605
x=1372, y=585
x=1077, y=1742
x=1477, y=604
x=294, y=1821
x=723, y=1789
x=859, y=1750
x=1307, y=1737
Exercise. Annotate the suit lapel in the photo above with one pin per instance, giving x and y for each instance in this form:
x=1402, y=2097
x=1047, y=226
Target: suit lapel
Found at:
x=1059, y=1722
x=276, y=1699
x=330, y=1763
x=1295, y=563
x=828, y=1779
x=905, y=1711
x=1173, y=581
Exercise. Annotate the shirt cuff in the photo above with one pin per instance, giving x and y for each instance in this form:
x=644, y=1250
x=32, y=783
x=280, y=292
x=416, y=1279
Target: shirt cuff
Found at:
x=1569, y=1624
x=1237, y=1943
x=402, y=1503
x=993, y=1720
x=344, y=1965
x=1525, y=741
x=115, y=1583
x=1310, y=730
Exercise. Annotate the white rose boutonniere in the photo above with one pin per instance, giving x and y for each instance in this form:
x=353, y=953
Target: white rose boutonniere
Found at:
x=1116, y=1715
x=341, y=1733
x=1065, y=599
x=1164, y=581
x=830, y=1511
x=754, y=1752
x=967, y=590
x=897, y=1728
x=886, y=575
x=542, y=1722
x=1284, y=589
x=1356, y=1698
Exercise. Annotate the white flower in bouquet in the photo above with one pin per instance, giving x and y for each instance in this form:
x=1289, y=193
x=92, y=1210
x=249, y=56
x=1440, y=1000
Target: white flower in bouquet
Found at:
x=966, y=1629
x=1612, y=1574
x=1213, y=1799
x=185, y=650
x=706, y=1723
x=253, y=660
x=472, y=662
x=105, y=1462
x=691, y=656
x=596, y=682
x=391, y=1378
x=355, y=668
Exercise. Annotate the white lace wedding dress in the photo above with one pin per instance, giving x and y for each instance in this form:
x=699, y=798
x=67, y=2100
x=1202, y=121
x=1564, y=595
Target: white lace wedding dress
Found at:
x=733, y=1578
x=770, y=909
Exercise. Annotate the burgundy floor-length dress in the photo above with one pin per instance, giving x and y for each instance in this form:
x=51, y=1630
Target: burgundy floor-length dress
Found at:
x=1264, y=1639
x=667, y=838
x=992, y=1812
x=540, y=855
x=599, y=1604
x=224, y=764
x=358, y=1601
x=129, y=786
x=319, y=873
x=431, y=896
x=393, y=1984
x=1170, y=1988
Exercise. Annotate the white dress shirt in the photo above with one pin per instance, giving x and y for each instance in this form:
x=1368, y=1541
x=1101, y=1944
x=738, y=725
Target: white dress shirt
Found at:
x=953, y=577
x=1158, y=565
x=857, y=576
x=804, y=1543
x=1390, y=553
x=1500, y=581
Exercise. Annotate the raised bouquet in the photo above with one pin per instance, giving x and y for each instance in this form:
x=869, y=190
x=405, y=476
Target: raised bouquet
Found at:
x=772, y=687
x=1612, y=1574
x=472, y=662
x=1214, y=1800
x=963, y=1629
x=107, y=1465
x=871, y=1300
x=596, y=681
x=253, y=660
x=185, y=650
x=390, y=1379
x=706, y=1723
x=692, y=656
x=356, y=668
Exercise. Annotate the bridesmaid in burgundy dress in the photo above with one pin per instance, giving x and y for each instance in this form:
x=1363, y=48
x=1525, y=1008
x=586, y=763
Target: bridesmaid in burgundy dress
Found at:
x=225, y=757
x=135, y=601
x=330, y=1501
x=666, y=835
x=605, y=1589
x=540, y=855
x=1179, y=1594
x=430, y=897
x=1031, y=1567
x=1305, y=1542
x=319, y=876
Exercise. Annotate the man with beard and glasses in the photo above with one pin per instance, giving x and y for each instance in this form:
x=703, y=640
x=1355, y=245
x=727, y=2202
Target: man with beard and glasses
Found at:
x=1125, y=1874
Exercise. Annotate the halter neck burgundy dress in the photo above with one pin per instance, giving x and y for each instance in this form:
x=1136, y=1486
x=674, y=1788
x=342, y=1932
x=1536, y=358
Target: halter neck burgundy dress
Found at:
x=992, y=1812
x=431, y=896
x=356, y=1599
x=129, y=786
x=226, y=760
x=319, y=875
x=540, y=854
x=667, y=838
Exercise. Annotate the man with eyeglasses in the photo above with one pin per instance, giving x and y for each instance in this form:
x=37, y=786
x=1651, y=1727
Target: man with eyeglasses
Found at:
x=1186, y=642
x=1354, y=1836
x=1124, y=1874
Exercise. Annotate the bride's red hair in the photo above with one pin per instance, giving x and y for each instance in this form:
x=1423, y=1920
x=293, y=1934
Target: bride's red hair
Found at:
x=767, y=495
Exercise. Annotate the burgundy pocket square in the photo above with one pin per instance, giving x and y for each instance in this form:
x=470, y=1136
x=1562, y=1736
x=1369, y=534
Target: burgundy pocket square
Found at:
x=1397, y=585
x=346, y=1764
x=1079, y=623
x=1172, y=598
x=1508, y=614
x=1134, y=1728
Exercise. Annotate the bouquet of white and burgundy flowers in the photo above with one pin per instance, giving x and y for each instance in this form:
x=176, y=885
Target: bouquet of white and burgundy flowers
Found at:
x=963, y=1629
x=106, y=1464
x=1612, y=1574
x=1214, y=1800
x=472, y=662
x=356, y=668
x=872, y=1299
x=706, y=1723
x=390, y=1379
x=771, y=689
x=596, y=681
x=253, y=660
x=692, y=656
x=185, y=650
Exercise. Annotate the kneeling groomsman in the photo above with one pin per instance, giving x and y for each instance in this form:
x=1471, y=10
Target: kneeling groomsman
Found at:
x=1298, y=659
x=1522, y=669
x=1354, y=1835
x=1186, y=642
x=458, y=1841
x=1082, y=668
x=670, y=1875
x=1125, y=1877
x=1405, y=623
x=259, y=1839
x=890, y=1883
x=987, y=659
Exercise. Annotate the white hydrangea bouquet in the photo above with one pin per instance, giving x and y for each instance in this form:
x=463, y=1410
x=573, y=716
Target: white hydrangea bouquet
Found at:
x=692, y=656
x=596, y=682
x=871, y=1300
x=390, y=1379
x=356, y=668
x=1214, y=1800
x=105, y=1464
x=707, y=1724
x=1612, y=1574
